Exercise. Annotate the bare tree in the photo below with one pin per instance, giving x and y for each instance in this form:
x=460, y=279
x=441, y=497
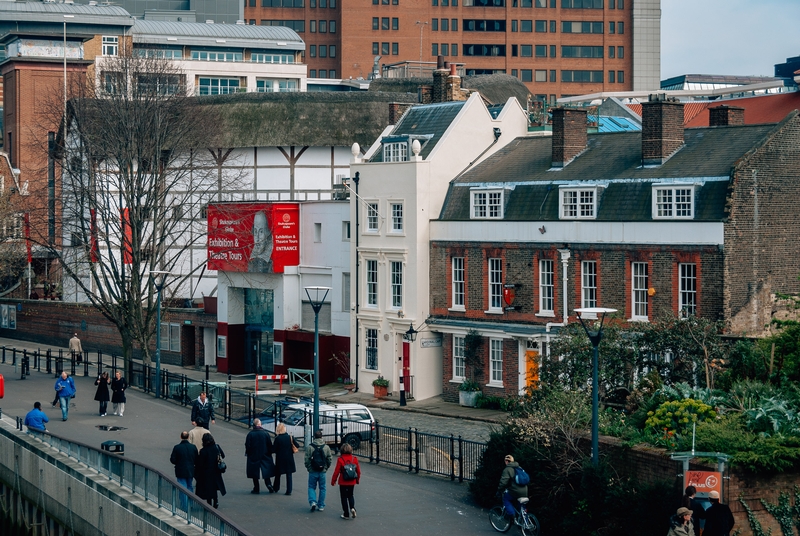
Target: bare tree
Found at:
x=137, y=171
x=12, y=243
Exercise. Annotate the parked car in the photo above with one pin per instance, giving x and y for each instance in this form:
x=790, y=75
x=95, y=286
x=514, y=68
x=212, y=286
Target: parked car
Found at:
x=340, y=423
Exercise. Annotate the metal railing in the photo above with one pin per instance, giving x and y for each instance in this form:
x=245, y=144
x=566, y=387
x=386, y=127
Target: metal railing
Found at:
x=146, y=482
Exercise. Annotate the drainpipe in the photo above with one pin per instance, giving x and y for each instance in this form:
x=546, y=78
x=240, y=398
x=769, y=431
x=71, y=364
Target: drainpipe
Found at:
x=358, y=199
x=565, y=254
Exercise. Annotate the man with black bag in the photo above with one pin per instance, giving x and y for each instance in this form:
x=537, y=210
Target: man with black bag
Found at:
x=318, y=459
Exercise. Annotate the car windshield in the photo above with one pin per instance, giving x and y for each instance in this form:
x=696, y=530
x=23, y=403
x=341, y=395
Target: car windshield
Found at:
x=295, y=418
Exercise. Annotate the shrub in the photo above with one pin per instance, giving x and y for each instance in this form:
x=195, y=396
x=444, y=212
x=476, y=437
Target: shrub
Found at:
x=678, y=416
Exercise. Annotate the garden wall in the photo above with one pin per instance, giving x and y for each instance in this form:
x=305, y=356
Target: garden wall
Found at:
x=649, y=464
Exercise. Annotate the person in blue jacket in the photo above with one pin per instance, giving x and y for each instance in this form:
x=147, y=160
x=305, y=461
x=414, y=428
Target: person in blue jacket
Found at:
x=36, y=419
x=65, y=389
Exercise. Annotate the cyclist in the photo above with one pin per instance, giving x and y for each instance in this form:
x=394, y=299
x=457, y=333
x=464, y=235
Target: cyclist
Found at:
x=511, y=491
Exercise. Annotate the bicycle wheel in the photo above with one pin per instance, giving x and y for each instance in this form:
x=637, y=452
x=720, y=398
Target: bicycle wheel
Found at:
x=498, y=520
x=530, y=527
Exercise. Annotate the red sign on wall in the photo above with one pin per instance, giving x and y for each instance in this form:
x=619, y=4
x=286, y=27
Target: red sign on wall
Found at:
x=253, y=237
x=704, y=481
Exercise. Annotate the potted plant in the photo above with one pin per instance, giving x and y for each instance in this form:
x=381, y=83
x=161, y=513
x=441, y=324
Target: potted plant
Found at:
x=468, y=393
x=349, y=384
x=470, y=389
x=380, y=385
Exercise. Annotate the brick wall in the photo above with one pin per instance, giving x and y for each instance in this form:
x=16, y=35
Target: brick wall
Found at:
x=569, y=134
x=761, y=246
x=662, y=129
x=53, y=323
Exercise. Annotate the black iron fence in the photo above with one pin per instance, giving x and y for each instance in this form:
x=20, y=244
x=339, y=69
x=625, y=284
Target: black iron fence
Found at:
x=416, y=451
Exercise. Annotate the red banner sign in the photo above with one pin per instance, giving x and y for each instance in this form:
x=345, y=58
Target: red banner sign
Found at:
x=127, y=236
x=253, y=237
x=704, y=481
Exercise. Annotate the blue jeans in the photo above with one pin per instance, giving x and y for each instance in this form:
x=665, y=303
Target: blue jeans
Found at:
x=315, y=478
x=508, y=503
x=63, y=401
x=186, y=483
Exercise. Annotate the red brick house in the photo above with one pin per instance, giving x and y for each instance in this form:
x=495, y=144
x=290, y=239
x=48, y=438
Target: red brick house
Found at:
x=668, y=220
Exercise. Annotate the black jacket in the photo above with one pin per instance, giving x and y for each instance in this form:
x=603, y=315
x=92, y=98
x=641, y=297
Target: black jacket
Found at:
x=719, y=520
x=204, y=411
x=118, y=386
x=183, y=457
x=258, y=449
x=284, y=457
x=207, y=476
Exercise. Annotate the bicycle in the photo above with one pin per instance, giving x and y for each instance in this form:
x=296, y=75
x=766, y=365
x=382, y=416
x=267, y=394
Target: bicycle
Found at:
x=527, y=522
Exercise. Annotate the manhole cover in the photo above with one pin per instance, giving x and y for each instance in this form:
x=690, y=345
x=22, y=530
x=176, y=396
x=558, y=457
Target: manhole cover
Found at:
x=107, y=428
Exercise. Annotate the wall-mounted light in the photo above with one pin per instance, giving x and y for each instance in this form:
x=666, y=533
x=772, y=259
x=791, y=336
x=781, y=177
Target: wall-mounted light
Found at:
x=651, y=292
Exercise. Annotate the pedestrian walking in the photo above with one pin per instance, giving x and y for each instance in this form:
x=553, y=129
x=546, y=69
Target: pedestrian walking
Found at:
x=65, y=390
x=36, y=418
x=196, y=436
x=698, y=512
x=206, y=471
x=348, y=474
x=75, y=349
x=719, y=519
x=318, y=459
x=681, y=523
x=101, y=395
x=258, y=449
x=118, y=385
x=183, y=457
x=284, y=448
x=202, y=411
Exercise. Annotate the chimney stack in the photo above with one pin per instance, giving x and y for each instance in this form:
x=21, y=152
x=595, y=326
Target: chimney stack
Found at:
x=569, y=134
x=440, y=81
x=662, y=129
x=396, y=111
x=723, y=116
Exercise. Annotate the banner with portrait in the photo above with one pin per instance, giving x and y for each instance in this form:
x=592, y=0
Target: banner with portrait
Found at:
x=253, y=237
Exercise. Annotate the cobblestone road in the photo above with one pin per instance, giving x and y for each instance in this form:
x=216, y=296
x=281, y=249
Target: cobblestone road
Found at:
x=472, y=430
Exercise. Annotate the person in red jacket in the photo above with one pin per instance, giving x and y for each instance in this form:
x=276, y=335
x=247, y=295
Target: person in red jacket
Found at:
x=345, y=466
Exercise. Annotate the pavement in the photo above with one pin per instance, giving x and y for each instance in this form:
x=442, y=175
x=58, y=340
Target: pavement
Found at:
x=389, y=500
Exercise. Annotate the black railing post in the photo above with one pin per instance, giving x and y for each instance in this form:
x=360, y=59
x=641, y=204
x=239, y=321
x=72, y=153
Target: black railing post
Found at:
x=452, y=460
x=4, y=355
x=377, y=444
x=207, y=372
x=99, y=362
x=410, y=450
x=460, y=460
x=113, y=364
x=228, y=404
x=86, y=362
x=72, y=364
x=22, y=364
x=14, y=356
x=416, y=450
x=49, y=356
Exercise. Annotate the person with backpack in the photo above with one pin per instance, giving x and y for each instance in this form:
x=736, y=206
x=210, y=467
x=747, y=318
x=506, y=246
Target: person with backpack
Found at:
x=513, y=485
x=318, y=459
x=348, y=474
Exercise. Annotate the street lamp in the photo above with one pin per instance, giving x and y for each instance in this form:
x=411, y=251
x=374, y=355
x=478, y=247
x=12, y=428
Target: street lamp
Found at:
x=316, y=296
x=594, y=338
x=159, y=279
x=409, y=337
x=421, y=27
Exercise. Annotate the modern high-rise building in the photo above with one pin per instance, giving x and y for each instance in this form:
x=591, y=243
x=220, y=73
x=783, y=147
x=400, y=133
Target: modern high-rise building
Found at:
x=556, y=47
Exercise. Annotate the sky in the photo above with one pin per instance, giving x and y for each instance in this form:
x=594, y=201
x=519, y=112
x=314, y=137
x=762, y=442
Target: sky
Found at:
x=734, y=37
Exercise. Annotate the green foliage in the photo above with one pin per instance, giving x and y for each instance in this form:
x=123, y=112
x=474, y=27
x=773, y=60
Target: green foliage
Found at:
x=755, y=524
x=469, y=386
x=679, y=416
x=498, y=402
x=380, y=381
x=473, y=362
x=782, y=512
x=785, y=363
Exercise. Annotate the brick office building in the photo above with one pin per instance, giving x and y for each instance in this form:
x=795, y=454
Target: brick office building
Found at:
x=666, y=221
x=557, y=47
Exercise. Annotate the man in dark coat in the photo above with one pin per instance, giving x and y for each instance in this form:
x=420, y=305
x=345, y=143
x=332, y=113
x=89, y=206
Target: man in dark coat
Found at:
x=719, y=519
x=202, y=411
x=258, y=449
x=183, y=457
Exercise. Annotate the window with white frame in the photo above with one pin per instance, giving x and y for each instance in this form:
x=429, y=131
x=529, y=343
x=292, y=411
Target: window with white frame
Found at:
x=546, y=287
x=372, y=283
x=487, y=204
x=372, y=217
x=110, y=45
x=578, y=204
x=589, y=284
x=459, y=363
x=397, y=217
x=371, y=349
x=277, y=353
x=397, y=284
x=639, y=285
x=495, y=285
x=171, y=337
x=222, y=346
x=458, y=282
x=687, y=275
x=675, y=202
x=346, y=292
x=395, y=152
x=496, y=361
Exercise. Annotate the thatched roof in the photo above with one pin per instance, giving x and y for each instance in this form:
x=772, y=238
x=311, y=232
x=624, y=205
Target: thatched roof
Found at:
x=495, y=88
x=319, y=118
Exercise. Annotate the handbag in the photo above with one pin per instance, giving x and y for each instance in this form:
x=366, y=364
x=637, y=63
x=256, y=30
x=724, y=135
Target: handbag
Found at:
x=221, y=465
x=294, y=447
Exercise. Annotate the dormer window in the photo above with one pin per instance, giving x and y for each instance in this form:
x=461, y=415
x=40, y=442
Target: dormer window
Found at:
x=578, y=203
x=486, y=204
x=396, y=151
x=673, y=202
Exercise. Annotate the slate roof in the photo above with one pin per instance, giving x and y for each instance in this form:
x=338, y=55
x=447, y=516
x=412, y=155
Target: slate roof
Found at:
x=305, y=119
x=428, y=122
x=612, y=161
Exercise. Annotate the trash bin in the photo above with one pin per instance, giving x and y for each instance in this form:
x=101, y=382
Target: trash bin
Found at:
x=113, y=447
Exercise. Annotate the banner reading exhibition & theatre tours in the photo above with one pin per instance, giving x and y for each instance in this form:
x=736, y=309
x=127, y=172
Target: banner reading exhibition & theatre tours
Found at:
x=253, y=237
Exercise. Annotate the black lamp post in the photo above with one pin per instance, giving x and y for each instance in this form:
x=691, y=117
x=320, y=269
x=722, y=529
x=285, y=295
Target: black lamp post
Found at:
x=594, y=338
x=316, y=296
x=409, y=336
x=159, y=279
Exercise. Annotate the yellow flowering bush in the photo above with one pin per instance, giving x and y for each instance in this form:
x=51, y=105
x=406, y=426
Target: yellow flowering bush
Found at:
x=678, y=415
